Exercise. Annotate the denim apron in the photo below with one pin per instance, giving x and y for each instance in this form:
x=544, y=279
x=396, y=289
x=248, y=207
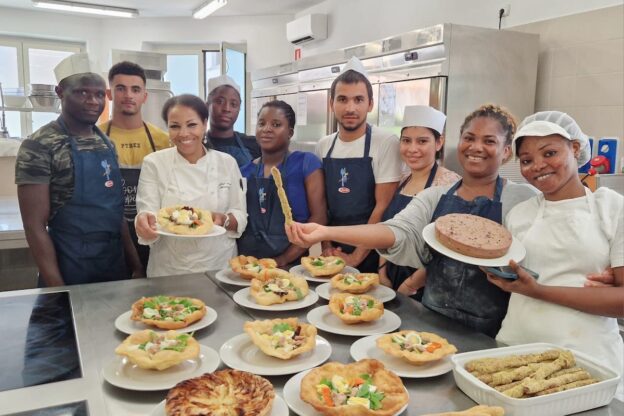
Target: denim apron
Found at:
x=86, y=231
x=350, y=188
x=238, y=152
x=397, y=274
x=265, y=235
x=461, y=291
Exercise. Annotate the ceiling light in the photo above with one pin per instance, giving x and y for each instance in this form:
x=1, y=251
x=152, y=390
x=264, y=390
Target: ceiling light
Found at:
x=71, y=6
x=208, y=8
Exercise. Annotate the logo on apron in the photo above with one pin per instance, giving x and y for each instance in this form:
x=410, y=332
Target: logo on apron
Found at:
x=261, y=200
x=107, y=171
x=343, y=181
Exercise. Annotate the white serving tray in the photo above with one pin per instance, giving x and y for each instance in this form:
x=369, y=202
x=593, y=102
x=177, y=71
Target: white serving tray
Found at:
x=555, y=404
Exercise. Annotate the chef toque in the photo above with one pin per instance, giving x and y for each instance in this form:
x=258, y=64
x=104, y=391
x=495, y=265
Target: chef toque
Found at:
x=216, y=82
x=546, y=123
x=356, y=65
x=424, y=116
x=78, y=63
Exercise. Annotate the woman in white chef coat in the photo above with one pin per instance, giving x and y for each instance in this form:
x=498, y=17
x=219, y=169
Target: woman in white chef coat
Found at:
x=568, y=232
x=189, y=174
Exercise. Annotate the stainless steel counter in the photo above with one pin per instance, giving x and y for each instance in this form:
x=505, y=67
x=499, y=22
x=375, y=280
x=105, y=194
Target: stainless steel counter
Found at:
x=96, y=306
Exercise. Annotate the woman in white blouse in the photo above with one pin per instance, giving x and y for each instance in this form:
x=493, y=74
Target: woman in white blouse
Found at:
x=189, y=174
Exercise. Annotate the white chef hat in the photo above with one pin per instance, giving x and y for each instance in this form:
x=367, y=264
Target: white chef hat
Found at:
x=354, y=64
x=216, y=82
x=424, y=116
x=546, y=123
x=78, y=63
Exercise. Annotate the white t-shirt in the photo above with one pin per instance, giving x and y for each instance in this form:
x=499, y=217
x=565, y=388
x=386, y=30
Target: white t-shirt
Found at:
x=384, y=150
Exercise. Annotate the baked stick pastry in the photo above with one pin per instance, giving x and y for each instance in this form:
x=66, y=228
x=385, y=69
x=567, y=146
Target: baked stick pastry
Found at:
x=281, y=193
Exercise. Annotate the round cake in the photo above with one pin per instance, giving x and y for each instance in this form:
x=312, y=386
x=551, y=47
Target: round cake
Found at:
x=472, y=235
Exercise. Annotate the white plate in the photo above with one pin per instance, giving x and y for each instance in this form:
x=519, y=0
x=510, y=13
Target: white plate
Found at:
x=280, y=408
x=324, y=319
x=299, y=269
x=367, y=348
x=216, y=230
x=380, y=292
x=122, y=373
x=242, y=354
x=126, y=325
x=243, y=298
x=516, y=252
x=291, y=395
x=230, y=277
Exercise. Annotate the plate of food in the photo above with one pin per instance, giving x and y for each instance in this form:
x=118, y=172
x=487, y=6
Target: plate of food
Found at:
x=301, y=270
x=249, y=267
x=323, y=318
x=382, y=293
x=244, y=298
x=223, y=392
x=409, y=354
x=275, y=286
x=473, y=240
x=230, y=277
x=364, y=388
x=160, y=313
x=184, y=221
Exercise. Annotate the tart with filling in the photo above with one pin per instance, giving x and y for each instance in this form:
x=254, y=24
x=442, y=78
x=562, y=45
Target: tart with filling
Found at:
x=250, y=267
x=168, y=312
x=352, y=309
x=274, y=286
x=282, y=338
x=355, y=282
x=158, y=351
x=321, y=266
x=185, y=220
x=416, y=347
x=363, y=388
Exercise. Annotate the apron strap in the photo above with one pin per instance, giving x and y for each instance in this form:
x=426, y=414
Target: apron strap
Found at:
x=147, y=131
x=432, y=174
x=367, y=142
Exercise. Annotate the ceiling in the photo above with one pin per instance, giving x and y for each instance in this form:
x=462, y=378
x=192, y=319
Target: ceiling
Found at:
x=181, y=8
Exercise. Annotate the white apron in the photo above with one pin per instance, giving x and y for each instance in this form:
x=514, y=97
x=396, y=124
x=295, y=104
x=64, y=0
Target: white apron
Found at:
x=564, y=246
x=196, y=185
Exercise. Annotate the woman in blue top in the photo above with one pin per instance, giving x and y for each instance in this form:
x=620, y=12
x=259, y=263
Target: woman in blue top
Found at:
x=303, y=179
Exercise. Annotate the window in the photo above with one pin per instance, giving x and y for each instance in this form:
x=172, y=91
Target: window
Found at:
x=183, y=74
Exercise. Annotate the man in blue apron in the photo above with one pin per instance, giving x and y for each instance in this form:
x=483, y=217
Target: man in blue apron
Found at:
x=224, y=102
x=69, y=181
x=361, y=162
x=133, y=138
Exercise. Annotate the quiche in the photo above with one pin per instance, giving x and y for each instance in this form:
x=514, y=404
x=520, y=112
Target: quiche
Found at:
x=472, y=235
x=185, y=220
x=222, y=393
x=274, y=286
x=158, y=351
x=168, y=312
x=415, y=347
x=282, y=338
x=323, y=266
x=249, y=267
x=352, y=309
x=355, y=282
x=363, y=388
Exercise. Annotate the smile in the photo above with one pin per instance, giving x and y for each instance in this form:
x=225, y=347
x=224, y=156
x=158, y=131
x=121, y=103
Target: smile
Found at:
x=186, y=141
x=475, y=158
x=543, y=177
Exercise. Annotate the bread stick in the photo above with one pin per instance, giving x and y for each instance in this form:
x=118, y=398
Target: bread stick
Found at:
x=281, y=193
x=534, y=386
x=580, y=383
x=492, y=365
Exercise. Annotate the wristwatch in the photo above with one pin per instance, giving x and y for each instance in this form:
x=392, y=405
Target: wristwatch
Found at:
x=226, y=223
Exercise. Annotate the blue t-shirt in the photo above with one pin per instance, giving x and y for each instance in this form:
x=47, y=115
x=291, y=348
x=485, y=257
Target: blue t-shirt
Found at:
x=299, y=166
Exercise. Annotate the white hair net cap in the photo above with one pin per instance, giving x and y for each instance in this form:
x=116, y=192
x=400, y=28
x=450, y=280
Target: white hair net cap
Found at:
x=216, y=82
x=546, y=123
x=424, y=116
x=78, y=63
x=354, y=64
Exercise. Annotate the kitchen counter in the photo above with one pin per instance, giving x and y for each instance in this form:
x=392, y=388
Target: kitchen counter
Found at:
x=96, y=306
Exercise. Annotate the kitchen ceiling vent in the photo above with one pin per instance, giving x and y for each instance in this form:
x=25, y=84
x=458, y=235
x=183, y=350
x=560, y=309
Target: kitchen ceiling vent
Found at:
x=307, y=28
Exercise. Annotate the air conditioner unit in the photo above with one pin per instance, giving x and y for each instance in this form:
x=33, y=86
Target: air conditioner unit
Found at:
x=307, y=28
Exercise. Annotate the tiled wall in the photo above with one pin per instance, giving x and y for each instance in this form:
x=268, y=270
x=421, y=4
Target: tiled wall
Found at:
x=581, y=69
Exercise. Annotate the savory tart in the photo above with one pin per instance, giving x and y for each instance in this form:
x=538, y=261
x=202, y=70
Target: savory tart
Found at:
x=282, y=338
x=157, y=351
x=355, y=308
x=323, y=266
x=185, y=220
x=249, y=267
x=222, y=393
x=415, y=347
x=363, y=388
x=277, y=286
x=472, y=235
x=168, y=312
x=355, y=282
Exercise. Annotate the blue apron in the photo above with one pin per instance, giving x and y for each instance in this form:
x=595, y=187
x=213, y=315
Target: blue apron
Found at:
x=397, y=274
x=238, y=152
x=86, y=231
x=265, y=235
x=350, y=188
x=461, y=291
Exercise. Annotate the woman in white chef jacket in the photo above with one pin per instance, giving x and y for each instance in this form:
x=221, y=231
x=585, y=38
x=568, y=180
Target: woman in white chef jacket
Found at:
x=189, y=174
x=568, y=232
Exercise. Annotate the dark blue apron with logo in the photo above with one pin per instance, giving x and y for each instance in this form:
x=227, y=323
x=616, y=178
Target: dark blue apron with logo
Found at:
x=350, y=188
x=86, y=231
x=238, y=152
x=461, y=291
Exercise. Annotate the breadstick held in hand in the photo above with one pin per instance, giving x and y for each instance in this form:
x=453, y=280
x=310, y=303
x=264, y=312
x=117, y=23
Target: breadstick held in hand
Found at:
x=281, y=193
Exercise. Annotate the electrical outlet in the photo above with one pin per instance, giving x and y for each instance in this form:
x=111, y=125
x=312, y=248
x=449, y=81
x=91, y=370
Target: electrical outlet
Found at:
x=507, y=10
